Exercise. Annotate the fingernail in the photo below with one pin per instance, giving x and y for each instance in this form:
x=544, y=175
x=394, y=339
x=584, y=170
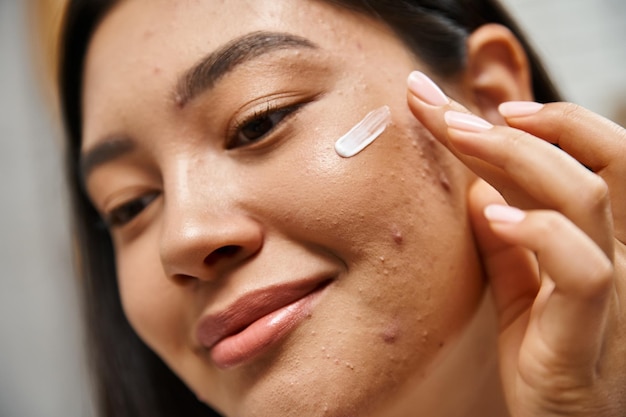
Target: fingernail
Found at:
x=519, y=108
x=504, y=214
x=426, y=90
x=467, y=122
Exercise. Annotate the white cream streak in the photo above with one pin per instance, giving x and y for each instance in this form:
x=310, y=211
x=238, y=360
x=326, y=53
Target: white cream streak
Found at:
x=364, y=132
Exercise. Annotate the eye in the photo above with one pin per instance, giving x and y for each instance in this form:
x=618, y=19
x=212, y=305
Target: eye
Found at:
x=126, y=212
x=258, y=126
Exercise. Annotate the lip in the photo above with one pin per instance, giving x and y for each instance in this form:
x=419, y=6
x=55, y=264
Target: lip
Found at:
x=257, y=320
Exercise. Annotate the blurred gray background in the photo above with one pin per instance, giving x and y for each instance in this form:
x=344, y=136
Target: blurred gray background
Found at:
x=42, y=368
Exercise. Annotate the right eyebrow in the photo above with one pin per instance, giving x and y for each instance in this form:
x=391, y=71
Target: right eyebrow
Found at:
x=109, y=149
x=207, y=72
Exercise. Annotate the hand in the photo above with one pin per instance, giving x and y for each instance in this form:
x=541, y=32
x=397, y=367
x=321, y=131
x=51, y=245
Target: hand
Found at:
x=557, y=269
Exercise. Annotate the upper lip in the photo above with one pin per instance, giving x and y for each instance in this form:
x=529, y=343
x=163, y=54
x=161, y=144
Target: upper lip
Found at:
x=250, y=307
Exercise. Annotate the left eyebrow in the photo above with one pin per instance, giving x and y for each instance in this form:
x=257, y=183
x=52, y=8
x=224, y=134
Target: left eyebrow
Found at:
x=207, y=72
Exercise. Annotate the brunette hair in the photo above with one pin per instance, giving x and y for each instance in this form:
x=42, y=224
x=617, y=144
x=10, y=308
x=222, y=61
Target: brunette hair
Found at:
x=130, y=379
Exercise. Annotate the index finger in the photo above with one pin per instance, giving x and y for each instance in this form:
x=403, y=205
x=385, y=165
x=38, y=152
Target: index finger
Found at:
x=593, y=140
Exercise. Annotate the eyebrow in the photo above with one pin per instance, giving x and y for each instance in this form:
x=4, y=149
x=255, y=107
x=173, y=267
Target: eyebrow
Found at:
x=200, y=77
x=111, y=148
x=207, y=72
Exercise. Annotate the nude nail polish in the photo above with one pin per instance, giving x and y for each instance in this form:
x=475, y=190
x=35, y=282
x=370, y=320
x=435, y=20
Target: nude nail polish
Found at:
x=503, y=214
x=466, y=122
x=519, y=108
x=426, y=90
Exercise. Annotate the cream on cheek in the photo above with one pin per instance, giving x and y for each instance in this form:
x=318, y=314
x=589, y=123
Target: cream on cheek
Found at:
x=364, y=132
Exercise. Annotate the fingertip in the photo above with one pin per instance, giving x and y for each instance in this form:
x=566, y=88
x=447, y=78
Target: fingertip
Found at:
x=482, y=193
x=425, y=89
x=519, y=108
x=501, y=213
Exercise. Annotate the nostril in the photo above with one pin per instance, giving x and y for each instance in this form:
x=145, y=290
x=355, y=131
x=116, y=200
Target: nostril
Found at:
x=227, y=251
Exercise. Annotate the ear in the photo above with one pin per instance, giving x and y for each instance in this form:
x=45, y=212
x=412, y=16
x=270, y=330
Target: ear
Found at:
x=497, y=70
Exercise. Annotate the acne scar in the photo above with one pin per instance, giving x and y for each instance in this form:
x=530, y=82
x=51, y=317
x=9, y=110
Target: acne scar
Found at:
x=396, y=235
x=178, y=101
x=147, y=34
x=443, y=180
x=390, y=334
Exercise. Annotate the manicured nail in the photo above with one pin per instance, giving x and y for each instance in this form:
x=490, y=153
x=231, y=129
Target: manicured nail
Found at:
x=504, y=214
x=519, y=108
x=426, y=90
x=467, y=122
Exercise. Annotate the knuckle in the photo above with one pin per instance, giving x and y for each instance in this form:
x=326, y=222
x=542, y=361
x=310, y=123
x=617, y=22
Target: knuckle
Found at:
x=571, y=111
x=595, y=194
x=516, y=140
x=597, y=269
x=568, y=112
x=600, y=278
x=550, y=223
x=619, y=131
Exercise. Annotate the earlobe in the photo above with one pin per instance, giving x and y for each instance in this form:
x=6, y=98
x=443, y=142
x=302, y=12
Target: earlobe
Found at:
x=497, y=70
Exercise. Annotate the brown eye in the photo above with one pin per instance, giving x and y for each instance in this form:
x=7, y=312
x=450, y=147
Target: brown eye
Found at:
x=126, y=212
x=259, y=126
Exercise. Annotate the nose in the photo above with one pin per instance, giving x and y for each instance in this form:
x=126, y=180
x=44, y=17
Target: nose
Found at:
x=203, y=245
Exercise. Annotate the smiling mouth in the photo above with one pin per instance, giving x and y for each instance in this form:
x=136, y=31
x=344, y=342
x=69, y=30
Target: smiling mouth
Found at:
x=257, y=321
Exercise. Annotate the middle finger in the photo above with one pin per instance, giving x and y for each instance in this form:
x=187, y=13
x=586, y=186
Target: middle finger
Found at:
x=548, y=174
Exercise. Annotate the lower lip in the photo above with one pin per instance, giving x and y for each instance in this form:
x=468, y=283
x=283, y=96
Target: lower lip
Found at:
x=262, y=334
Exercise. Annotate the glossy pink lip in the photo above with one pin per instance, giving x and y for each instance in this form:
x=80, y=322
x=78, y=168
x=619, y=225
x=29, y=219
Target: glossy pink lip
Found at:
x=256, y=321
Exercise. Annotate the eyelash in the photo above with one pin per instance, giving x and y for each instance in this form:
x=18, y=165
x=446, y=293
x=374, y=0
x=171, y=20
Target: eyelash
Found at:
x=259, y=116
x=126, y=212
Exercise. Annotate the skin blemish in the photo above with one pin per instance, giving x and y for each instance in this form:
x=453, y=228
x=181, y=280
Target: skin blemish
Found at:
x=443, y=180
x=178, y=101
x=396, y=235
x=148, y=34
x=390, y=335
x=363, y=133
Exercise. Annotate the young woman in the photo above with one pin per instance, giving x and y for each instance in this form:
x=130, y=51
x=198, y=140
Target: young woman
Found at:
x=235, y=264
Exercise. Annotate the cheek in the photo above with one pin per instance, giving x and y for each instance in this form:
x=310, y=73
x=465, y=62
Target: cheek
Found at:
x=397, y=191
x=151, y=303
x=395, y=215
x=398, y=221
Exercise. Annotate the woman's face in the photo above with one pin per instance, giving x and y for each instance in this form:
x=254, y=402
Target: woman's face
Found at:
x=268, y=272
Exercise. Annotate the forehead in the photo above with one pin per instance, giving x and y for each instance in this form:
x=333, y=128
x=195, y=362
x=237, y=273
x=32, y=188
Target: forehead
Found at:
x=159, y=35
x=142, y=46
